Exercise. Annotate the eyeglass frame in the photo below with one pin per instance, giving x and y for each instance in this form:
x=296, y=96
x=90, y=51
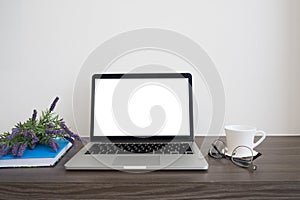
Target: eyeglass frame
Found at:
x=223, y=155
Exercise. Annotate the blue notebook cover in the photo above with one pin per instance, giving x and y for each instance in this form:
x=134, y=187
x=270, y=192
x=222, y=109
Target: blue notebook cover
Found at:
x=40, y=151
x=42, y=155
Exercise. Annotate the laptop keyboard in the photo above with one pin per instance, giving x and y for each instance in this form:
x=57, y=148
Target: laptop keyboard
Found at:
x=148, y=148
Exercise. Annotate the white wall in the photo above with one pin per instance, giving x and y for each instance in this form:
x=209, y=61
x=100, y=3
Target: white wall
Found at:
x=255, y=45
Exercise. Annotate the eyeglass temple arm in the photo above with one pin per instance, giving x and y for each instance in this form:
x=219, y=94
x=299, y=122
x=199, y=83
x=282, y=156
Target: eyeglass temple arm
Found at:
x=215, y=147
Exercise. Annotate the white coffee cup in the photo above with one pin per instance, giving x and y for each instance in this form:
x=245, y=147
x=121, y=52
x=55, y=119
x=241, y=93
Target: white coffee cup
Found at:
x=242, y=135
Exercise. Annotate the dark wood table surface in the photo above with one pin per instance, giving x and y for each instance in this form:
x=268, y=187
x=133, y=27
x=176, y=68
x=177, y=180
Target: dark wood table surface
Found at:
x=278, y=175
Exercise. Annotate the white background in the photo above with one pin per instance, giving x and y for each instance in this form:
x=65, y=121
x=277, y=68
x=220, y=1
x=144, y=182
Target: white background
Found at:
x=255, y=45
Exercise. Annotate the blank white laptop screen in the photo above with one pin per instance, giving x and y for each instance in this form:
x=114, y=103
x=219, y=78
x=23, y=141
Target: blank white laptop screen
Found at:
x=141, y=107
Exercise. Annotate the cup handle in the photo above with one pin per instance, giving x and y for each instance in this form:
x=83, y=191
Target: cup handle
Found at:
x=261, y=139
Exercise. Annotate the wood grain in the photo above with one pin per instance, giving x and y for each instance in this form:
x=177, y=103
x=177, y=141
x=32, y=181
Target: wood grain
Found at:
x=278, y=175
x=243, y=190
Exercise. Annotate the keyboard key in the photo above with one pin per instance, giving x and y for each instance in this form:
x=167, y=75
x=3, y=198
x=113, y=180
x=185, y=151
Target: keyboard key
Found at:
x=143, y=148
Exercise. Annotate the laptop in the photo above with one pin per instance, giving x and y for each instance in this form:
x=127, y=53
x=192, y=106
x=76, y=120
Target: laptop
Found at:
x=140, y=121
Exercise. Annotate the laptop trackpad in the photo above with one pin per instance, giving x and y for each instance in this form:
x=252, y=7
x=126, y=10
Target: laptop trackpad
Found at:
x=136, y=160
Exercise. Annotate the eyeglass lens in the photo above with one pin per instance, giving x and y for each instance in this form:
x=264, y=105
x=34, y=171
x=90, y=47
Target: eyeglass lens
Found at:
x=242, y=156
x=218, y=149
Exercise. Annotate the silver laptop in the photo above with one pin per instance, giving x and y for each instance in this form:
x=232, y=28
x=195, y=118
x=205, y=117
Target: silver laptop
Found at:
x=140, y=122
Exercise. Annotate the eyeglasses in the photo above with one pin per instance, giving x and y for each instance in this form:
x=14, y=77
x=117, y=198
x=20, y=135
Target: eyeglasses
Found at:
x=241, y=156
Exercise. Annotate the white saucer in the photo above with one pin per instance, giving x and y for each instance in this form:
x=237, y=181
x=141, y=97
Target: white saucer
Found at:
x=254, y=154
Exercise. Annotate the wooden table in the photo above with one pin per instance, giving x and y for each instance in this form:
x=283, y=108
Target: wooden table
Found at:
x=278, y=175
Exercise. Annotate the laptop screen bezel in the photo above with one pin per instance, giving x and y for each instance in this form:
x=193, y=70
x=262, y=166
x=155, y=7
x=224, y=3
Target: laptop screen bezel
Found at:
x=189, y=137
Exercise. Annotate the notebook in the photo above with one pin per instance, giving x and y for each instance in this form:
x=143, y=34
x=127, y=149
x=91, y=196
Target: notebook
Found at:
x=41, y=156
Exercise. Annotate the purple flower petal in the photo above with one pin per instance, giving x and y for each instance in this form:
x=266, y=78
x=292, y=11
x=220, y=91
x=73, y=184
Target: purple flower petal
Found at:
x=54, y=132
x=52, y=144
x=57, y=145
x=25, y=133
x=53, y=104
x=16, y=129
x=69, y=132
x=50, y=126
x=4, y=146
x=15, y=132
x=34, y=115
x=49, y=131
x=22, y=149
x=14, y=149
x=34, y=139
x=4, y=152
x=4, y=149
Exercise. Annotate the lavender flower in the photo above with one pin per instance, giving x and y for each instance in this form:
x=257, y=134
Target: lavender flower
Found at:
x=34, y=115
x=14, y=149
x=55, y=132
x=15, y=132
x=16, y=129
x=54, y=104
x=69, y=132
x=57, y=145
x=25, y=133
x=4, y=146
x=49, y=131
x=53, y=144
x=33, y=137
x=4, y=149
x=22, y=149
x=3, y=152
x=69, y=139
x=50, y=125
